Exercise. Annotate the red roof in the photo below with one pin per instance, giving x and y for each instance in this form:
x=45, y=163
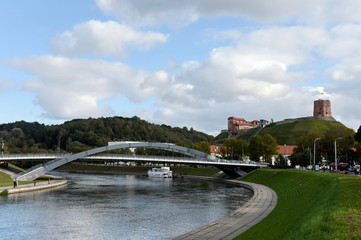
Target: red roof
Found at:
x=215, y=149
x=236, y=118
x=285, y=149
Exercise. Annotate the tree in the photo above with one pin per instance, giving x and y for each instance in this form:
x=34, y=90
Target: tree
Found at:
x=345, y=141
x=264, y=146
x=270, y=147
x=305, y=145
x=280, y=161
x=301, y=158
x=234, y=149
x=255, y=148
x=358, y=153
x=358, y=135
x=203, y=147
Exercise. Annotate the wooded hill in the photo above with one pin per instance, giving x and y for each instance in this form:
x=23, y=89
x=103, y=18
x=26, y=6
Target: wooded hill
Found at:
x=79, y=134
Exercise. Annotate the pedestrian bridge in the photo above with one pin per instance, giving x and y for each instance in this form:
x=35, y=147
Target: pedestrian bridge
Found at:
x=230, y=167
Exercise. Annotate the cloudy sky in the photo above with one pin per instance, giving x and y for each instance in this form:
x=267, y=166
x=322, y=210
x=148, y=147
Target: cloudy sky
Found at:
x=190, y=63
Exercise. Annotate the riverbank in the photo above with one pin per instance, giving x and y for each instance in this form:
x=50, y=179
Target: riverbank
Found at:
x=33, y=186
x=255, y=210
x=263, y=202
x=311, y=205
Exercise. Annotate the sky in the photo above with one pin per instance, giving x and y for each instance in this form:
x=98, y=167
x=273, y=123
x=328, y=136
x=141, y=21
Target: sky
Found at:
x=190, y=63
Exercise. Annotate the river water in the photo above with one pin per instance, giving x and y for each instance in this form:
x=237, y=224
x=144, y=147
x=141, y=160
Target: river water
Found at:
x=97, y=206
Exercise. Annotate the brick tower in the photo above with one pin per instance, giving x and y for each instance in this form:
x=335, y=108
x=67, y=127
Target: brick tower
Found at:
x=322, y=109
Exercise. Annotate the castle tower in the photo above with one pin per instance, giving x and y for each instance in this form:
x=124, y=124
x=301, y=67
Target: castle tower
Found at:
x=322, y=109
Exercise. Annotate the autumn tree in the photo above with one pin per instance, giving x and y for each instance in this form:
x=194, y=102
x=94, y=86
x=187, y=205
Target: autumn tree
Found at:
x=203, y=147
x=263, y=146
x=234, y=149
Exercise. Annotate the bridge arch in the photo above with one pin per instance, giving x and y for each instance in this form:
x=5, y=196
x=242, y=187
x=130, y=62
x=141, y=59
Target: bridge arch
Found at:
x=41, y=169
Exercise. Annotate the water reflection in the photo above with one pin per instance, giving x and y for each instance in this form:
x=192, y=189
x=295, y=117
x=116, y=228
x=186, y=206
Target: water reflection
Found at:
x=117, y=207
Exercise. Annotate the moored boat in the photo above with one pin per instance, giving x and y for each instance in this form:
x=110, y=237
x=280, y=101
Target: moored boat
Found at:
x=163, y=172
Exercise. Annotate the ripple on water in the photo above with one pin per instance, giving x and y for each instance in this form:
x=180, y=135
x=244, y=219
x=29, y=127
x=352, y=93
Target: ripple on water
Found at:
x=95, y=206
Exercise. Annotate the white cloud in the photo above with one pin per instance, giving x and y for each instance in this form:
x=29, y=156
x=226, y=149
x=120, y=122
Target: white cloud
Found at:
x=255, y=79
x=140, y=13
x=212, y=117
x=71, y=88
x=261, y=76
x=182, y=13
x=105, y=39
x=345, y=78
x=344, y=41
x=257, y=67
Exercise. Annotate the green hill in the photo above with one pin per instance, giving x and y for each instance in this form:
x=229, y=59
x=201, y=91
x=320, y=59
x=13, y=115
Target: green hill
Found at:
x=289, y=133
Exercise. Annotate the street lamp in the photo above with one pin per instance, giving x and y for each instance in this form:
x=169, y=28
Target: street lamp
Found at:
x=336, y=153
x=314, y=152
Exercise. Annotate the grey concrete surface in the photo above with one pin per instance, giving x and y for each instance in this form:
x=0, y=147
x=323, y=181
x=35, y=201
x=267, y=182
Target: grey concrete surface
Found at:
x=257, y=208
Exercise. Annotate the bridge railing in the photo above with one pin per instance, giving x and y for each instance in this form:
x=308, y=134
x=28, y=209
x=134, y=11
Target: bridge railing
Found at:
x=32, y=156
x=131, y=157
x=127, y=157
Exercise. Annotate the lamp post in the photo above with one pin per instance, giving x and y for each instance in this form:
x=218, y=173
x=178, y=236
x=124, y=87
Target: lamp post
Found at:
x=336, y=153
x=314, y=152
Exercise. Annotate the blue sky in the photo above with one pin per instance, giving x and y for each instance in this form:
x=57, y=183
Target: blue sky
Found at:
x=188, y=63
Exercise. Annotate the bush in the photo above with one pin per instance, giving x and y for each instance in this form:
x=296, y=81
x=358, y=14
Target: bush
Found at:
x=4, y=193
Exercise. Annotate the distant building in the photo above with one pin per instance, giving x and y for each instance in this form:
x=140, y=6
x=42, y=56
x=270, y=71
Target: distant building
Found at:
x=322, y=109
x=238, y=124
x=216, y=150
x=286, y=150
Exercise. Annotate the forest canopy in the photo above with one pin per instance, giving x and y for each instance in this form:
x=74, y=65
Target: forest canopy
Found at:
x=81, y=134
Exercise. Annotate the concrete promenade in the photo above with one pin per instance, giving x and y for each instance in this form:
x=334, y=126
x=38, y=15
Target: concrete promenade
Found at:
x=257, y=208
x=30, y=187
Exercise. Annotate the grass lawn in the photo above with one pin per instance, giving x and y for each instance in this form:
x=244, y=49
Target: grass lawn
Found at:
x=5, y=180
x=311, y=205
x=16, y=167
x=288, y=133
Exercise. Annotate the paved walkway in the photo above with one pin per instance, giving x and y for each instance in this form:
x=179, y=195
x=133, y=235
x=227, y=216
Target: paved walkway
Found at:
x=257, y=208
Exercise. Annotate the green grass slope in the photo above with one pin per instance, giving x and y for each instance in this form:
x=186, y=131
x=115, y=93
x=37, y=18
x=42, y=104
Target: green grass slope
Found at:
x=311, y=205
x=5, y=180
x=288, y=133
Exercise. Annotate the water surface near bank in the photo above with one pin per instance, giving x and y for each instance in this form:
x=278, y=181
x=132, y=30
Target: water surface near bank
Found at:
x=99, y=206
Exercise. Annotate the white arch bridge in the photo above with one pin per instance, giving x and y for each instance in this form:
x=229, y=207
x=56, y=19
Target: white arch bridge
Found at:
x=230, y=167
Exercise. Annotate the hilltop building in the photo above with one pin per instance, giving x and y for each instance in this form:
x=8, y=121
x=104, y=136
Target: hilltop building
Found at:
x=322, y=110
x=237, y=124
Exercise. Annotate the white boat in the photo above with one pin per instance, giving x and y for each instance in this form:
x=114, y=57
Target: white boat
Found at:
x=163, y=172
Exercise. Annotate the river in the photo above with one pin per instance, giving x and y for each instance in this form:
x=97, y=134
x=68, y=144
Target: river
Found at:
x=100, y=206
